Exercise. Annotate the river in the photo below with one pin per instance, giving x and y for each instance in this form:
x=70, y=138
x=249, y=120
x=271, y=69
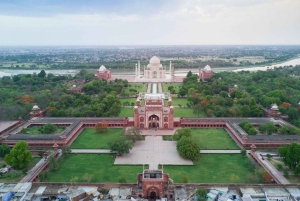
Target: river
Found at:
x=181, y=72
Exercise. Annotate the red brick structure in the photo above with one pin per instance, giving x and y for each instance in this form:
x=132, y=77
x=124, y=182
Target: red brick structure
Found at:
x=37, y=112
x=103, y=73
x=205, y=73
x=154, y=114
x=153, y=183
x=75, y=89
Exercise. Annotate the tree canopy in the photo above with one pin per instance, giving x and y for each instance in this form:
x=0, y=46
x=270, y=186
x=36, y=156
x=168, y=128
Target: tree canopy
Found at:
x=19, y=156
x=121, y=145
x=291, y=155
x=187, y=148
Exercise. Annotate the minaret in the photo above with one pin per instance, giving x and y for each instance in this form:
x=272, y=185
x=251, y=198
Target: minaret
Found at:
x=173, y=72
x=139, y=69
x=136, y=70
x=170, y=68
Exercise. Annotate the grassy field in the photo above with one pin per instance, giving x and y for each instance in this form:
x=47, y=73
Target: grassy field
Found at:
x=176, y=85
x=138, y=87
x=89, y=139
x=130, y=100
x=213, y=139
x=126, y=112
x=186, y=112
x=213, y=168
x=100, y=167
x=181, y=101
x=17, y=175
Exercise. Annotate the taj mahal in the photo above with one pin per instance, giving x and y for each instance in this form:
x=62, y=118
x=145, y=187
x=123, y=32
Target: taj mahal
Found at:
x=154, y=71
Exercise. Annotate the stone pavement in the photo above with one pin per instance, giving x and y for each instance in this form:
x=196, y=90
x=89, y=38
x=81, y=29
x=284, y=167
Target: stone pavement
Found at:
x=153, y=132
x=220, y=151
x=153, y=151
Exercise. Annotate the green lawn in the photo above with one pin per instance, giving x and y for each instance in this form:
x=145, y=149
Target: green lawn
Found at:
x=130, y=100
x=213, y=168
x=211, y=138
x=181, y=101
x=89, y=139
x=100, y=167
x=126, y=112
x=138, y=87
x=186, y=112
x=176, y=85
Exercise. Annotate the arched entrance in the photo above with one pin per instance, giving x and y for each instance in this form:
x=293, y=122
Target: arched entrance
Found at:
x=154, y=74
x=153, y=121
x=152, y=195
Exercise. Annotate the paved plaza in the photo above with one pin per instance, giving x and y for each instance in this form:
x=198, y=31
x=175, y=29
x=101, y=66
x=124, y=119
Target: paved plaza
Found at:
x=153, y=151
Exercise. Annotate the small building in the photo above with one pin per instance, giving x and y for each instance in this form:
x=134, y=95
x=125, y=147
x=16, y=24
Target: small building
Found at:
x=274, y=112
x=103, y=73
x=232, y=89
x=205, y=73
x=153, y=183
x=75, y=89
x=37, y=112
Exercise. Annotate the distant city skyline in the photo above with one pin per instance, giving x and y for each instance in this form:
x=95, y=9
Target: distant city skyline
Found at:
x=149, y=22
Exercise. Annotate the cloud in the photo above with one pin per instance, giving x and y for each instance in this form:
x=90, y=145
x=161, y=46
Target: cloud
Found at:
x=192, y=22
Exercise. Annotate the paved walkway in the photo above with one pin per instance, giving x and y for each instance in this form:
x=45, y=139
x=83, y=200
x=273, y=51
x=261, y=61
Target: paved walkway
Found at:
x=91, y=151
x=159, y=88
x=153, y=151
x=271, y=168
x=220, y=151
x=153, y=132
x=149, y=88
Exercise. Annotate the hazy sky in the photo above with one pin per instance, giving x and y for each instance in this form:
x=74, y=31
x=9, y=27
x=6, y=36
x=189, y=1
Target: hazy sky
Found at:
x=149, y=22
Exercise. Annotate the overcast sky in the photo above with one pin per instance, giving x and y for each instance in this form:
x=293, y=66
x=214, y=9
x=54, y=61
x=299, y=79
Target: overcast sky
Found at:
x=149, y=22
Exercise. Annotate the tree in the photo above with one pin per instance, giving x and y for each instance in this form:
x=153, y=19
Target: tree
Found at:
x=271, y=128
x=187, y=148
x=48, y=128
x=133, y=133
x=101, y=127
x=201, y=194
x=53, y=164
x=244, y=152
x=19, y=156
x=182, y=132
x=197, y=109
x=66, y=149
x=42, y=74
x=121, y=145
x=290, y=154
x=4, y=149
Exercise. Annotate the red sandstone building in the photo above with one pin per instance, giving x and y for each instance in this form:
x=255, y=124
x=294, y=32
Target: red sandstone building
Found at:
x=103, y=73
x=205, y=73
x=154, y=114
x=154, y=184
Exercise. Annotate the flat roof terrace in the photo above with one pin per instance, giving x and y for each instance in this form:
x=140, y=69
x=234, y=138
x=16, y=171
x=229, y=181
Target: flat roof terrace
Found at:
x=72, y=124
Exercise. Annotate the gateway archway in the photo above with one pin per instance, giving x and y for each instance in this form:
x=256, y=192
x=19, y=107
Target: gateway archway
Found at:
x=153, y=121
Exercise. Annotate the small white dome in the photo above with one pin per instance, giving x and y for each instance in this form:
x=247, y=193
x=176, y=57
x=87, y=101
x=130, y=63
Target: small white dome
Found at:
x=74, y=86
x=154, y=60
x=207, y=68
x=35, y=107
x=235, y=86
x=102, y=68
x=274, y=107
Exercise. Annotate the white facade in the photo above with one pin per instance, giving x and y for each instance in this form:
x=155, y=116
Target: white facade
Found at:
x=154, y=71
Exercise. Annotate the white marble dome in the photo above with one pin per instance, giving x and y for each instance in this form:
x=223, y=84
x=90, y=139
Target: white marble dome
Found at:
x=154, y=60
x=102, y=68
x=35, y=107
x=207, y=68
x=274, y=107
